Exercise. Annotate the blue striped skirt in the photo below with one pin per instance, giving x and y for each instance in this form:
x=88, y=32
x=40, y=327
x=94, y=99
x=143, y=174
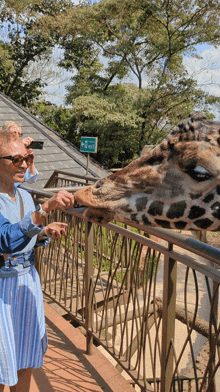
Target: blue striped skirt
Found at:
x=23, y=338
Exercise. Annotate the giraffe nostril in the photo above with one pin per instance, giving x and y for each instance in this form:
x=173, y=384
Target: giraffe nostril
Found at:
x=98, y=184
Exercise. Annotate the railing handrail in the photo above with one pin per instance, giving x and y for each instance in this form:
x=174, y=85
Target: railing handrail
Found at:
x=67, y=188
x=83, y=177
x=200, y=248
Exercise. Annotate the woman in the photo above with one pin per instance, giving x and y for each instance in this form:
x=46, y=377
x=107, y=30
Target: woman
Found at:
x=12, y=127
x=23, y=340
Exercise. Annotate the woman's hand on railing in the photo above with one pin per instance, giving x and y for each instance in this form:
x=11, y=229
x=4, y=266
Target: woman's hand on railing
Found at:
x=54, y=230
x=62, y=199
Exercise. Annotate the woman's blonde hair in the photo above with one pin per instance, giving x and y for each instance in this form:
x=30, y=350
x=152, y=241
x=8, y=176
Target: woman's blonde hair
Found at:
x=8, y=124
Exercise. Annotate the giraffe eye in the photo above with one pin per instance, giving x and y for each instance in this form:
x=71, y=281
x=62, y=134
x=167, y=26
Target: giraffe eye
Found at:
x=199, y=173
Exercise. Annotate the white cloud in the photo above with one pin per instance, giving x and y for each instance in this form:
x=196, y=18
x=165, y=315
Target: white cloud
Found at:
x=206, y=71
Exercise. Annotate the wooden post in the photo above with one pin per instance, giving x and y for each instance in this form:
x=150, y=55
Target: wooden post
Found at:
x=87, y=167
x=168, y=321
x=88, y=283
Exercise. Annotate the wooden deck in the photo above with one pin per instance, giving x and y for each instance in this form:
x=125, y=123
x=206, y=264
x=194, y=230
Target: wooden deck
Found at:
x=67, y=367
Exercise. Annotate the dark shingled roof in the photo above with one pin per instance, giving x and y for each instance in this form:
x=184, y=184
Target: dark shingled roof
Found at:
x=57, y=154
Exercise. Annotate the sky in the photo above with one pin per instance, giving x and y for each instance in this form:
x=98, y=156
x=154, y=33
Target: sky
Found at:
x=205, y=69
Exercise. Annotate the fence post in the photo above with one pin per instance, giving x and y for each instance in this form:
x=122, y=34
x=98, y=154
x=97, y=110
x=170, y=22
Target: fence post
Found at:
x=168, y=321
x=214, y=322
x=88, y=285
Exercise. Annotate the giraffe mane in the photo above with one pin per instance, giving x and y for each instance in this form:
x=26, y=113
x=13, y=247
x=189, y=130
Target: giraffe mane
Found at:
x=197, y=127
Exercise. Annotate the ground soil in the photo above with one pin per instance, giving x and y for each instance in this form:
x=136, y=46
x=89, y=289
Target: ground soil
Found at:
x=213, y=238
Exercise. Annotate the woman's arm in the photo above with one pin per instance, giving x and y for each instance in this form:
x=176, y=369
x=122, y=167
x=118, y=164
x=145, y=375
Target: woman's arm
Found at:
x=12, y=238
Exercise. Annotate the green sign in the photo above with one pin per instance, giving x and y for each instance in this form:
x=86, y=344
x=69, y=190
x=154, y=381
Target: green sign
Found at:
x=88, y=144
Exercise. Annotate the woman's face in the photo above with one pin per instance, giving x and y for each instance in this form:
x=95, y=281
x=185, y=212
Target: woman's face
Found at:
x=8, y=171
x=16, y=129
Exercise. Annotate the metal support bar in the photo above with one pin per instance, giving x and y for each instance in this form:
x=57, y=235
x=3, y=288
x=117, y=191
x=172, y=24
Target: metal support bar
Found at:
x=168, y=321
x=215, y=293
x=88, y=283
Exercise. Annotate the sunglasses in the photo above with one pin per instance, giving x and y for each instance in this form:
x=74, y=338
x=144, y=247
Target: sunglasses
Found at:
x=17, y=160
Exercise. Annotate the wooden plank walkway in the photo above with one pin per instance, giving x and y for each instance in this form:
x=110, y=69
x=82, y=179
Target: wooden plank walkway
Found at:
x=67, y=367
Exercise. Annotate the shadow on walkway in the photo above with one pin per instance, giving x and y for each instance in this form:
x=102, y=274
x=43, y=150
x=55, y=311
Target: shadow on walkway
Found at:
x=68, y=368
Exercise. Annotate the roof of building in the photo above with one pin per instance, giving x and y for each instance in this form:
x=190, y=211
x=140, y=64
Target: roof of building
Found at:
x=57, y=154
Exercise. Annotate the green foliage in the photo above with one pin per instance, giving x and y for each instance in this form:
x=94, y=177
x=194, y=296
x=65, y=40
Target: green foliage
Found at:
x=104, y=44
x=114, y=121
x=59, y=118
x=22, y=44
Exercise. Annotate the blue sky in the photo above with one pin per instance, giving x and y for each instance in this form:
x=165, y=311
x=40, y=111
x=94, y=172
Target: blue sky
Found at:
x=206, y=70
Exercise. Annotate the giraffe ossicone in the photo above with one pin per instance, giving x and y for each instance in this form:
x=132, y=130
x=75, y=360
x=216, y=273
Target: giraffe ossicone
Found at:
x=176, y=185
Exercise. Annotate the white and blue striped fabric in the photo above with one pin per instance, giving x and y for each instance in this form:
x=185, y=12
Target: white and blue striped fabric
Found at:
x=23, y=338
x=22, y=325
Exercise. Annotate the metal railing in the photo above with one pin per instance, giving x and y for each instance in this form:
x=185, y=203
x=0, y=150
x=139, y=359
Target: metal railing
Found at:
x=61, y=178
x=148, y=296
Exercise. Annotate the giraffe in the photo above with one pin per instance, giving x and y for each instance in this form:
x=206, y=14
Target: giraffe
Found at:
x=176, y=185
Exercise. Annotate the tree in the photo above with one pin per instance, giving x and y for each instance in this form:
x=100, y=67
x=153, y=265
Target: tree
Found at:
x=24, y=43
x=106, y=43
x=113, y=121
x=140, y=38
x=60, y=118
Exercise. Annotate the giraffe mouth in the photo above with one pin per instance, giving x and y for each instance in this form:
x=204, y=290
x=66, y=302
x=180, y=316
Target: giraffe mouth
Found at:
x=96, y=210
x=86, y=198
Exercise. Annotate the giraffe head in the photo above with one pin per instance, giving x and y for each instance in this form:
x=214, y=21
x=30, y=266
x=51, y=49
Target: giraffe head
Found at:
x=176, y=185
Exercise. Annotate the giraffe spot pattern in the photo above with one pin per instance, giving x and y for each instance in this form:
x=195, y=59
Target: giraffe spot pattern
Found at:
x=216, y=210
x=208, y=198
x=203, y=223
x=163, y=223
x=141, y=203
x=126, y=208
x=134, y=218
x=196, y=212
x=180, y=225
x=145, y=220
x=156, y=208
x=176, y=210
x=195, y=196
